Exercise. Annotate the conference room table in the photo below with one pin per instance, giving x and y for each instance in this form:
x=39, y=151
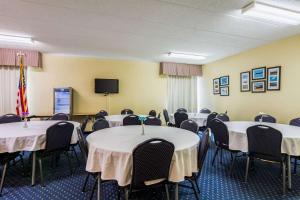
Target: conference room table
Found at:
x=290, y=138
x=117, y=120
x=199, y=118
x=15, y=137
x=110, y=152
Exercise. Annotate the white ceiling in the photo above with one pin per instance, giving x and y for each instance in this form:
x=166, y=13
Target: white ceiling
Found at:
x=140, y=29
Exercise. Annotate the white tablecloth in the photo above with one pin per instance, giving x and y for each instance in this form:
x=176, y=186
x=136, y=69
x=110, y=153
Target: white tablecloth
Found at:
x=115, y=120
x=238, y=136
x=14, y=137
x=200, y=118
x=110, y=151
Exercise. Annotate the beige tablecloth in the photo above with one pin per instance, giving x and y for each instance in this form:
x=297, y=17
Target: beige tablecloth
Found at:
x=110, y=151
x=14, y=137
x=200, y=118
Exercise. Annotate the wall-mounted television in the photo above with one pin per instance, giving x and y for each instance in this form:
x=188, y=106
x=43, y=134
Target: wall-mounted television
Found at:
x=106, y=86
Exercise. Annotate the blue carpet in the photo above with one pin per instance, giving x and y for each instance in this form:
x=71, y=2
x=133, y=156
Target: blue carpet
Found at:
x=215, y=183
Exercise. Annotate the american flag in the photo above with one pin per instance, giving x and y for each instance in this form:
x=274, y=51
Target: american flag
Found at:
x=21, y=97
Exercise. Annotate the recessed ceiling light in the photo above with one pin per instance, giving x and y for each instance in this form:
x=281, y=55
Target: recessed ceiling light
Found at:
x=16, y=39
x=271, y=13
x=186, y=55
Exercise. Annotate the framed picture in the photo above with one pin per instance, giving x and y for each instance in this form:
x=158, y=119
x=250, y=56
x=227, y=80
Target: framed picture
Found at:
x=273, y=80
x=224, y=91
x=259, y=73
x=224, y=80
x=245, y=81
x=216, y=86
x=258, y=86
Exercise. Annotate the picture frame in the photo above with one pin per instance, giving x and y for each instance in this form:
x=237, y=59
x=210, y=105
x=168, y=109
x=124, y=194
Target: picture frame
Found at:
x=216, y=86
x=273, y=78
x=258, y=73
x=224, y=80
x=245, y=81
x=258, y=86
x=224, y=91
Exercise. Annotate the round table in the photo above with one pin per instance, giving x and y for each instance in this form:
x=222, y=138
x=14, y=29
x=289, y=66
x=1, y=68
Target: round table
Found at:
x=200, y=118
x=115, y=120
x=110, y=151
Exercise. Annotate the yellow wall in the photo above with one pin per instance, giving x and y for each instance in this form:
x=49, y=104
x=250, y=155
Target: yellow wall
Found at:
x=284, y=104
x=140, y=85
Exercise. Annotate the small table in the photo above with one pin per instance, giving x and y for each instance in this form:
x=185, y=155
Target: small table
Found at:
x=115, y=120
x=110, y=151
x=200, y=118
x=14, y=137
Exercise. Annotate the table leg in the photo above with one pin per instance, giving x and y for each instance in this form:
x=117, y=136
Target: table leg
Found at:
x=176, y=192
x=99, y=187
x=289, y=172
x=33, y=168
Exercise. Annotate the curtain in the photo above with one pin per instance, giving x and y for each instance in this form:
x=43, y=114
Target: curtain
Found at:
x=9, y=80
x=182, y=93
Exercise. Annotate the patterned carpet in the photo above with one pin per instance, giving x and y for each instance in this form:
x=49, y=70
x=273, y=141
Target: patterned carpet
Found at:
x=215, y=183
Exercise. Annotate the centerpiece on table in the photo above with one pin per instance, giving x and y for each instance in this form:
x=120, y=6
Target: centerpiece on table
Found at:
x=25, y=115
x=262, y=114
x=142, y=119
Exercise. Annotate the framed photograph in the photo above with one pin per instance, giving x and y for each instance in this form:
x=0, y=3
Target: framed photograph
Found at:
x=273, y=80
x=216, y=86
x=258, y=86
x=259, y=73
x=245, y=81
x=224, y=91
x=224, y=80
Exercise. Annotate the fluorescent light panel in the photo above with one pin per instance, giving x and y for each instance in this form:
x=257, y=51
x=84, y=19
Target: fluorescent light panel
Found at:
x=271, y=13
x=16, y=39
x=186, y=55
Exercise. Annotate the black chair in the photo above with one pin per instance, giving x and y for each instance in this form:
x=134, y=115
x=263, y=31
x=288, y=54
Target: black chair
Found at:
x=131, y=120
x=167, y=118
x=210, y=117
x=127, y=111
x=181, y=110
x=205, y=111
x=179, y=117
x=101, y=114
x=152, y=121
x=265, y=118
x=190, y=125
x=58, y=139
x=223, y=117
x=264, y=143
x=221, y=138
x=295, y=122
x=60, y=116
x=152, y=113
x=202, y=152
x=151, y=161
x=100, y=124
x=10, y=118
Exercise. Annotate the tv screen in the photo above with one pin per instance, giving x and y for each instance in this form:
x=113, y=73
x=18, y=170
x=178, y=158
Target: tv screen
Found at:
x=106, y=86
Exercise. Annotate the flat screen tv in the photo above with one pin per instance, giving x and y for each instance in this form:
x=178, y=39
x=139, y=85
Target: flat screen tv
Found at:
x=106, y=86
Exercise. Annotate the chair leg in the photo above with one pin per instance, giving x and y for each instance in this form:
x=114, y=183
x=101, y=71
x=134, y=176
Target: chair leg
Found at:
x=247, y=169
x=76, y=156
x=69, y=162
x=194, y=189
x=221, y=157
x=41, y=172
x=216, y=153
x=99, y=186
x=94, y=187
x=3, y=178
x=283, y=178
x=167, y=191
x=232, y=164
x=85, y=182
x=196, y=182
x=295, y=165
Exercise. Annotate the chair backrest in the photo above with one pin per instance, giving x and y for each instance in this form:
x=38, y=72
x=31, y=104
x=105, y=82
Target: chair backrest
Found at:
x=82, y=144
x=205, y=111
x=295, y=122
x=210, y=117
x=202, y=149
x=181, y=110
x=100, y=124
x=264, y=142
x=190, y=125
x=127, y=111
x=180, y=117
x=84, y=123
x=151, y=161
x=131, y=120
x=152, y=113
x=166, y=116
x=265, y=118
x=58, y=136
x=60, y=116
x=220, y=131
x=223, y=117
x=10, y=118
x=152, y=121
x=101, y=114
